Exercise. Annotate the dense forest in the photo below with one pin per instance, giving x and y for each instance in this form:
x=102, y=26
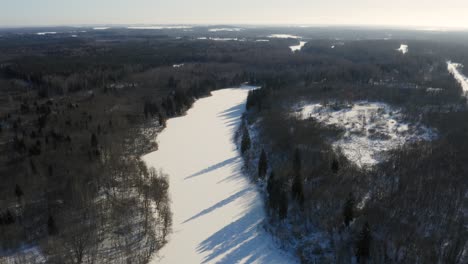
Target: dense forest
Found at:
x=76, y=113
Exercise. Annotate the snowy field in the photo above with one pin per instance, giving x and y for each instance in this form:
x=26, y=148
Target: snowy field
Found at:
x=370, y=129
x=403, y=48
x=284, y=36
x=225, y=29
x=454, y=69
x=298, y=47
x=159, y=27
x=218, y=213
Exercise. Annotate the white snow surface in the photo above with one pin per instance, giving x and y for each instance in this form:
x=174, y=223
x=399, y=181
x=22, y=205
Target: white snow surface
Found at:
x=371, y=129
x=403, y=48
x=454, y=69
x=225, y=29
x=46, y=33
x=100, y=28
x=159, y=27
x=218, y=213
x=284, y=36
x=298, y=47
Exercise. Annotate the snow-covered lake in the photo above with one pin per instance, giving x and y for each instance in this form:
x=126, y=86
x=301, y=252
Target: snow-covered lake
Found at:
x=454, y=69
x=370, y=129
x=218, y=213
x=297, y=47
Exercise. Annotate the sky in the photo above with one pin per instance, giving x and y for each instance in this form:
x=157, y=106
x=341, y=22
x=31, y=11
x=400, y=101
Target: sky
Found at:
x=419, y=13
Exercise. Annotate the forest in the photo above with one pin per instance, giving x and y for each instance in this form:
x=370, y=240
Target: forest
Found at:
x=77, y=113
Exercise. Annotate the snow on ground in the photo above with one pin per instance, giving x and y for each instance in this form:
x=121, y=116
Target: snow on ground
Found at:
x=100, y=28
x=454, y=69
x=46, y=33
x=220, y=39
x=262, y=40
x=284, y=36
x=218, y=213
x=370, y=129
x=178, y=65
x=159, y=27
x=225, y=29
x=297, y=47
x=403, y=48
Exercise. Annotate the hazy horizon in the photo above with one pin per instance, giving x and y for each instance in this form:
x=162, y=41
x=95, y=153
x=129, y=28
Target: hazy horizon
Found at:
x=397, y=13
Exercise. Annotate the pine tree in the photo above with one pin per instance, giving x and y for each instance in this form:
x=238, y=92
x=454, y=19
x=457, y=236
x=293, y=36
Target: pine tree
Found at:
x=245, y=144
x=335, y=166
x=262, y=165
x=363, y=244
x=94, y=141
x=348, y=210
x=51, y=227
x=18, y=192
x=271, y=191
x=283, y=204
x=298, y=182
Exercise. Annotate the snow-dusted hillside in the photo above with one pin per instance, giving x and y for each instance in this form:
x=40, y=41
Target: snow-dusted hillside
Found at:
x=218, y=213
x=370, y=129
x=454, y=69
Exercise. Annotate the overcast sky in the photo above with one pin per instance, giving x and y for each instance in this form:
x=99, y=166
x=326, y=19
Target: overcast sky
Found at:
x=425, y=13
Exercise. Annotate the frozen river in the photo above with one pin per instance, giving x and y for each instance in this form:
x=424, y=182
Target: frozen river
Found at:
x=218, y=213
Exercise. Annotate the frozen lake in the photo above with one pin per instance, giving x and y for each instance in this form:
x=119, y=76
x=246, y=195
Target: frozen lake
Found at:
x=218, y=213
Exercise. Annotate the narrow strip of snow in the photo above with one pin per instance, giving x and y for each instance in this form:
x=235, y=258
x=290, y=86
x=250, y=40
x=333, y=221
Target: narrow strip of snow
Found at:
x=284, y=36
x=159, y=27
x=46, y=33
x=297, y=47
x=225, y=29
x=454, y=69
x=403, y=48
x=218, y=213
x=100, y=28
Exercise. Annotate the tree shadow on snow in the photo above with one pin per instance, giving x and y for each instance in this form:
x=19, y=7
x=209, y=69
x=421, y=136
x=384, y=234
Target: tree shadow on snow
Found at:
x=219, y=204
x=214, y=167
x=232, y=115
x=239, y=241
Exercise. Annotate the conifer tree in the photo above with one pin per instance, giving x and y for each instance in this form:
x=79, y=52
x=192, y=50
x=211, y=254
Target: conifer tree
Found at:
x=283, y=204
x=335, y=166
x=363, y=244
x=298, y=182
x=262, y=165
x=94, y=141
x=245, y=144
x=18, y=192
x=348, y=210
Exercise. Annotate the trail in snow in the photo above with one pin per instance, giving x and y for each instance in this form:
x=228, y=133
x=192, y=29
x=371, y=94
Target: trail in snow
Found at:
x=453, y=68
x=218, y=213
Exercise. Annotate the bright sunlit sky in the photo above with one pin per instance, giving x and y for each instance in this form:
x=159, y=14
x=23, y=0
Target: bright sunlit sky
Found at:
x=424, y=13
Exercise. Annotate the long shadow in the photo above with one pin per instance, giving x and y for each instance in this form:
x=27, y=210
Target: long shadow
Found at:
x=219, y=204
x=239, y=241
x=212, y=168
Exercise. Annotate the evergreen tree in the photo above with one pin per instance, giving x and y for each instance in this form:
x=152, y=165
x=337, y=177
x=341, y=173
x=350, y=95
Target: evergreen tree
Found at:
x=348, y=210
x=94, y=141
x=262, y=165
x=245, y=144
x=272, y=194
x=18, y=192
x=51, y=227
x=283, y=204
x=335, y=166
x=298, y=182
x=363, y=244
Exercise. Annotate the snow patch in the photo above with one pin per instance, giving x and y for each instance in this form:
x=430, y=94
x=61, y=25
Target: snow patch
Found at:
x=403, y=48
x=177, y=65
x=284, y=36
x=46, y=33
x=159, y=27
x=370, y=129
x=100, y=28
x=298, y=47
x=225, y=29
